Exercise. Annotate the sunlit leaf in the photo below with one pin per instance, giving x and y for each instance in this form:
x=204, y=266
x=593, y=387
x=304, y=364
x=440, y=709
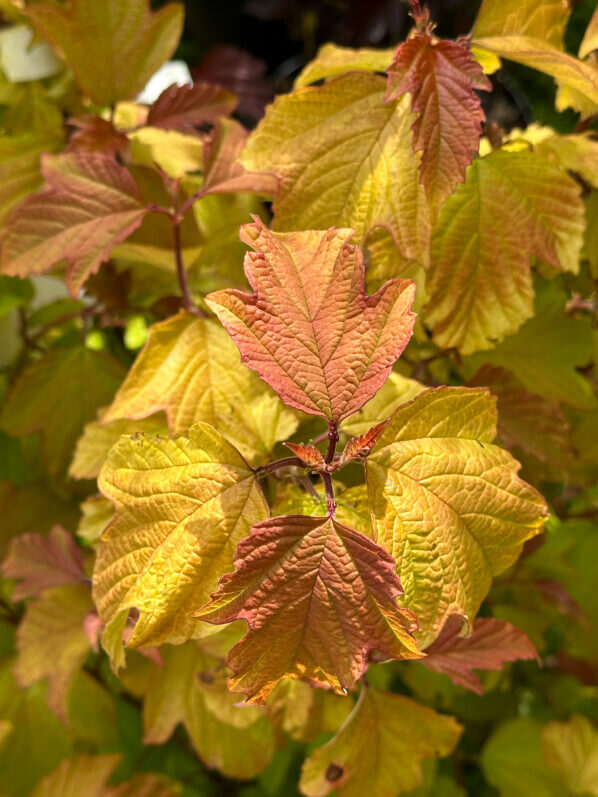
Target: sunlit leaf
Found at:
x=513, y=205
x=441, y=77
x=163, y=557
x=590, y=39
x=113, y=47
x=447, y=503
x=332, y=61
x=88, y=205
x=190, y=369
x=309, y=329
x=380, y=749
x=305, y=617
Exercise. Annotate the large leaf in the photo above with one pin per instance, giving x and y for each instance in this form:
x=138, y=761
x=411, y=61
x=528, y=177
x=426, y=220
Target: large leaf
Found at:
x=491, y=644
x=511, y=206
x=447, y=504
x=190, y=368
x=319, y=598
x=182, y=506
x=309, y=329
x=52, y=642
x=441, y=77
x=333, y=61
x=88, y=205
x=344, y=158
x=190, y=688
x=590, y=39
x=57, y=395
x=571, y=750
x=380, y=749
x=113, y=47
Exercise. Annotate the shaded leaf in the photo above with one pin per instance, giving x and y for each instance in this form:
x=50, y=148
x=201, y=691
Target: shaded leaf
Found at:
x=311, y=455
x=41, y=563
x=190, y=369
x=52, y=643
x=447, y=504
x=88, y=205
x=441, y=77
x=511, y=206
x=190, y=688
x=490, y=644
x=333, y=61
x=96, y=513
x=311, y=625
x=380, y=749
x=571, y=750
x=94, y=134
x=74, y=382
x=396, y=390
x=183, y=107
x=309, y=329
x=113, y=47
x=364, y=180
x=163, y=557
x=304, y=712
x=352, y=507
x=590, y=39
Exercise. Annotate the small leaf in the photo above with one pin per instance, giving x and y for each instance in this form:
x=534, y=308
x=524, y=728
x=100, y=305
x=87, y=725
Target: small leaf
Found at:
x=441, y=77
x=307, y=453
x=88, y=205
x=447, y=504
x=94, y=134
x=490, y=644
x=72, y=383
x=380, y=749
x=182, y=505
x=190, y=688
x=184, y=107
x=311, y=625
x=113, y=47
x=96, y=513
x=41, y=563
x=190, y=368
x=52, y=643
x=352, y=507
x=309, y=330
x=360, y=447
x=333, y=61
x=512, y=205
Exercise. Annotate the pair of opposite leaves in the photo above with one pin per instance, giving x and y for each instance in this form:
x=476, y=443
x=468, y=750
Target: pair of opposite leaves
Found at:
x=319, y=597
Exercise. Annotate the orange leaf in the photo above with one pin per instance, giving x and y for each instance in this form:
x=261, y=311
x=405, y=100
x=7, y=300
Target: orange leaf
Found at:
x=358, y=447
x=88, y=205
x=95, y=134
x=491, y=644
x=441, y=77
x=184, y=107
x=319, y=599
x=308, y=454
x=309, y=330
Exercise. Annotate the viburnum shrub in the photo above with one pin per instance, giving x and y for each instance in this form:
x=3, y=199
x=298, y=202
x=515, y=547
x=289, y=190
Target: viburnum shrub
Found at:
x=413, y=318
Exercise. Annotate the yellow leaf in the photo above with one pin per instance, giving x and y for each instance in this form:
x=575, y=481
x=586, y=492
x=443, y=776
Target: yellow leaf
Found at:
x=304, y=712
x=590, y=39
x=447, y=504
x=333, y=61
x=175, y=152
x=182, y=506
x=365, y=179
x=352, y=508
x=191, y=688
x=571, y=749
x=96, y=513
x=380, y=750
x=190, y=368
x=542, y=19
x=396, y=391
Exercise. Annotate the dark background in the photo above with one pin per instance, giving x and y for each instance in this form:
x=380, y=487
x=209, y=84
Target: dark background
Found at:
x=257, y=47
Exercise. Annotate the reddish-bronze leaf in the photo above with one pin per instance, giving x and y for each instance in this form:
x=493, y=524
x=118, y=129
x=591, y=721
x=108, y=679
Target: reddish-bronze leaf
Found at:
x=359, y=447
x=88, y=205
x=95, y=134
x=184, y=107
x=309, y=329
x=319, y=599
x=491, y=644
x=43, y=562
x=441, y=77
x=309, y=454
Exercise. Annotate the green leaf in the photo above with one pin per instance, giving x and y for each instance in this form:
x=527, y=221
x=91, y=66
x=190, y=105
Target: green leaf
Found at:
x=182, y=506
x=512, y=205
x=447, y=504
x=380, y=749
x=571, y=750
x=14, y=292
x=113, y=47
x=56, y=396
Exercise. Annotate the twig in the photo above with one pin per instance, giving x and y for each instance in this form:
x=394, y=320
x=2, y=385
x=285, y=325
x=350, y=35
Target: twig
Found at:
x=180, y=269
x=285, y=462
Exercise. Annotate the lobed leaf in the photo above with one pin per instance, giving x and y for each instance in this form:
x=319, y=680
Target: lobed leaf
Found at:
x=113, y=47
x=309, y=329
x=190, y=369
x=380, y=749
x=490, y=644
x=481, y=285
x=88, y=205
x=182, y=505
x=292, y=586
x=441, y=77
x=447, y=504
